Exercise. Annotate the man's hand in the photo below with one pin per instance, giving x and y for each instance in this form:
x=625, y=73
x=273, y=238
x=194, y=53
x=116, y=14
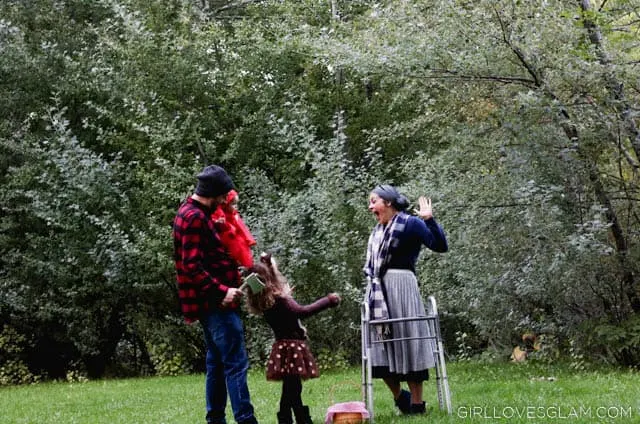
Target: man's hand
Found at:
x=232, y=296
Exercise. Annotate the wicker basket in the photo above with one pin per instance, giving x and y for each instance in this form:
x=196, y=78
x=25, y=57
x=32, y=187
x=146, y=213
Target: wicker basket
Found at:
x=351, y=412
x=348, y=418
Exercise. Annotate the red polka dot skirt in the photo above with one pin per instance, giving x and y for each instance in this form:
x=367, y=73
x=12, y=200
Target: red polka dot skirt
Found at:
x=291, y=357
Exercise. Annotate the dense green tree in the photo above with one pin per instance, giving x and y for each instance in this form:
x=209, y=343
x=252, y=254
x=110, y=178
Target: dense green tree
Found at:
x=518, y=118
x=533, y=141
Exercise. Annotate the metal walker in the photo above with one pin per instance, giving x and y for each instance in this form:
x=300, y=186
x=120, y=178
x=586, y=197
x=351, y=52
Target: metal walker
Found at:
x=434, y=337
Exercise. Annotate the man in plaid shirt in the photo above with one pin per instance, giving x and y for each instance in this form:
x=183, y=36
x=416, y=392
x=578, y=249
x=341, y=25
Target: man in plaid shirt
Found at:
x=208, y=280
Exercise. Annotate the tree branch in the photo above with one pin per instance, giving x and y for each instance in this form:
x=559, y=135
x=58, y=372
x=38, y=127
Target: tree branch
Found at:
x=447, y=74
x=518, y=51
x=235, y=5
x=498, y=78
x=495, y=206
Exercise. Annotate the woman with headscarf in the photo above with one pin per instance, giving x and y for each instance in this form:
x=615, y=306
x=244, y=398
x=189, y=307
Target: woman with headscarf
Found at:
x=393, y=292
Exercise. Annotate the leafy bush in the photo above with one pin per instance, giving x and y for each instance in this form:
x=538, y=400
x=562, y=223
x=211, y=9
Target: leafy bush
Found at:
x=617, y=341
x=13, y=368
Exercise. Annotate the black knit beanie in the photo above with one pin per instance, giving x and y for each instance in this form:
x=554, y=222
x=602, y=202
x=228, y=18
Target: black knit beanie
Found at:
x=213, y=181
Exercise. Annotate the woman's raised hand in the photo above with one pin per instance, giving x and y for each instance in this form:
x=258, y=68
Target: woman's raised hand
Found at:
x=426, y=210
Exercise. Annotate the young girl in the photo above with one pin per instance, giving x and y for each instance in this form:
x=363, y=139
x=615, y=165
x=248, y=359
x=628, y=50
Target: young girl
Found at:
x=290, y=360
x=233, y=232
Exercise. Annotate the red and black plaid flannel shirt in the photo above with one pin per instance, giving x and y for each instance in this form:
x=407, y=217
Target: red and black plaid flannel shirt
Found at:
x=204, y=268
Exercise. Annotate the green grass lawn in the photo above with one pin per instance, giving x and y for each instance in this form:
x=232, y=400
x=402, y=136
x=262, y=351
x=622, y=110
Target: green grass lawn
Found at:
x=481, y=393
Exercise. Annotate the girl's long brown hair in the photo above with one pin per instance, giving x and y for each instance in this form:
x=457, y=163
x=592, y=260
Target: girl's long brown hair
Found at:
x=275, y=285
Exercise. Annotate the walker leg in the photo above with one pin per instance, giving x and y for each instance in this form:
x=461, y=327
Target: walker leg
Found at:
x=436, y=357
x=364, y=359
x=370, y=389
x=445, y=380
x=367, y=379
x=442, y=381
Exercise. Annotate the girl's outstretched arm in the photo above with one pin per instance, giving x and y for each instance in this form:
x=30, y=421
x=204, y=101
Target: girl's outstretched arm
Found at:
x=304, y=311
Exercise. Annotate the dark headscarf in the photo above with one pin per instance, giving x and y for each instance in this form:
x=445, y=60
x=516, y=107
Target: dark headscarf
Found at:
x=390, y=194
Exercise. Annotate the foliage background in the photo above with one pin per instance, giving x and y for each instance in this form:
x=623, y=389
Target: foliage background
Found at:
x=519, y=119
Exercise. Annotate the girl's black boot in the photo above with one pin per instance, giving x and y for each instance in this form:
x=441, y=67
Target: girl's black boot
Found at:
x=302, y=415
x=284, y=417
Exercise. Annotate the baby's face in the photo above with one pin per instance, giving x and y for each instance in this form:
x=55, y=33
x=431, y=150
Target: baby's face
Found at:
x=232, y=205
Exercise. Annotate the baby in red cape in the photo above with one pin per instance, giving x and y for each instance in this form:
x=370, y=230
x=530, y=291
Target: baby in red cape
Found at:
x=233, y=232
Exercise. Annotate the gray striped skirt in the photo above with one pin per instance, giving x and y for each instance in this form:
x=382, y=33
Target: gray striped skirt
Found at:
x=409, y=357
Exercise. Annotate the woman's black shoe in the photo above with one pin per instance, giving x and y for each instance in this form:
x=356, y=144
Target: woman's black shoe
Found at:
x=418, y=408
x=404, y=402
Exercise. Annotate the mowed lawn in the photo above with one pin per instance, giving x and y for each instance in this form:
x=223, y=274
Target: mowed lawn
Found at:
x=481, y=393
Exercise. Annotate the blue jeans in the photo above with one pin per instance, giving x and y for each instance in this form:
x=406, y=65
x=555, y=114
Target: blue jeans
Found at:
x=227, y=365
